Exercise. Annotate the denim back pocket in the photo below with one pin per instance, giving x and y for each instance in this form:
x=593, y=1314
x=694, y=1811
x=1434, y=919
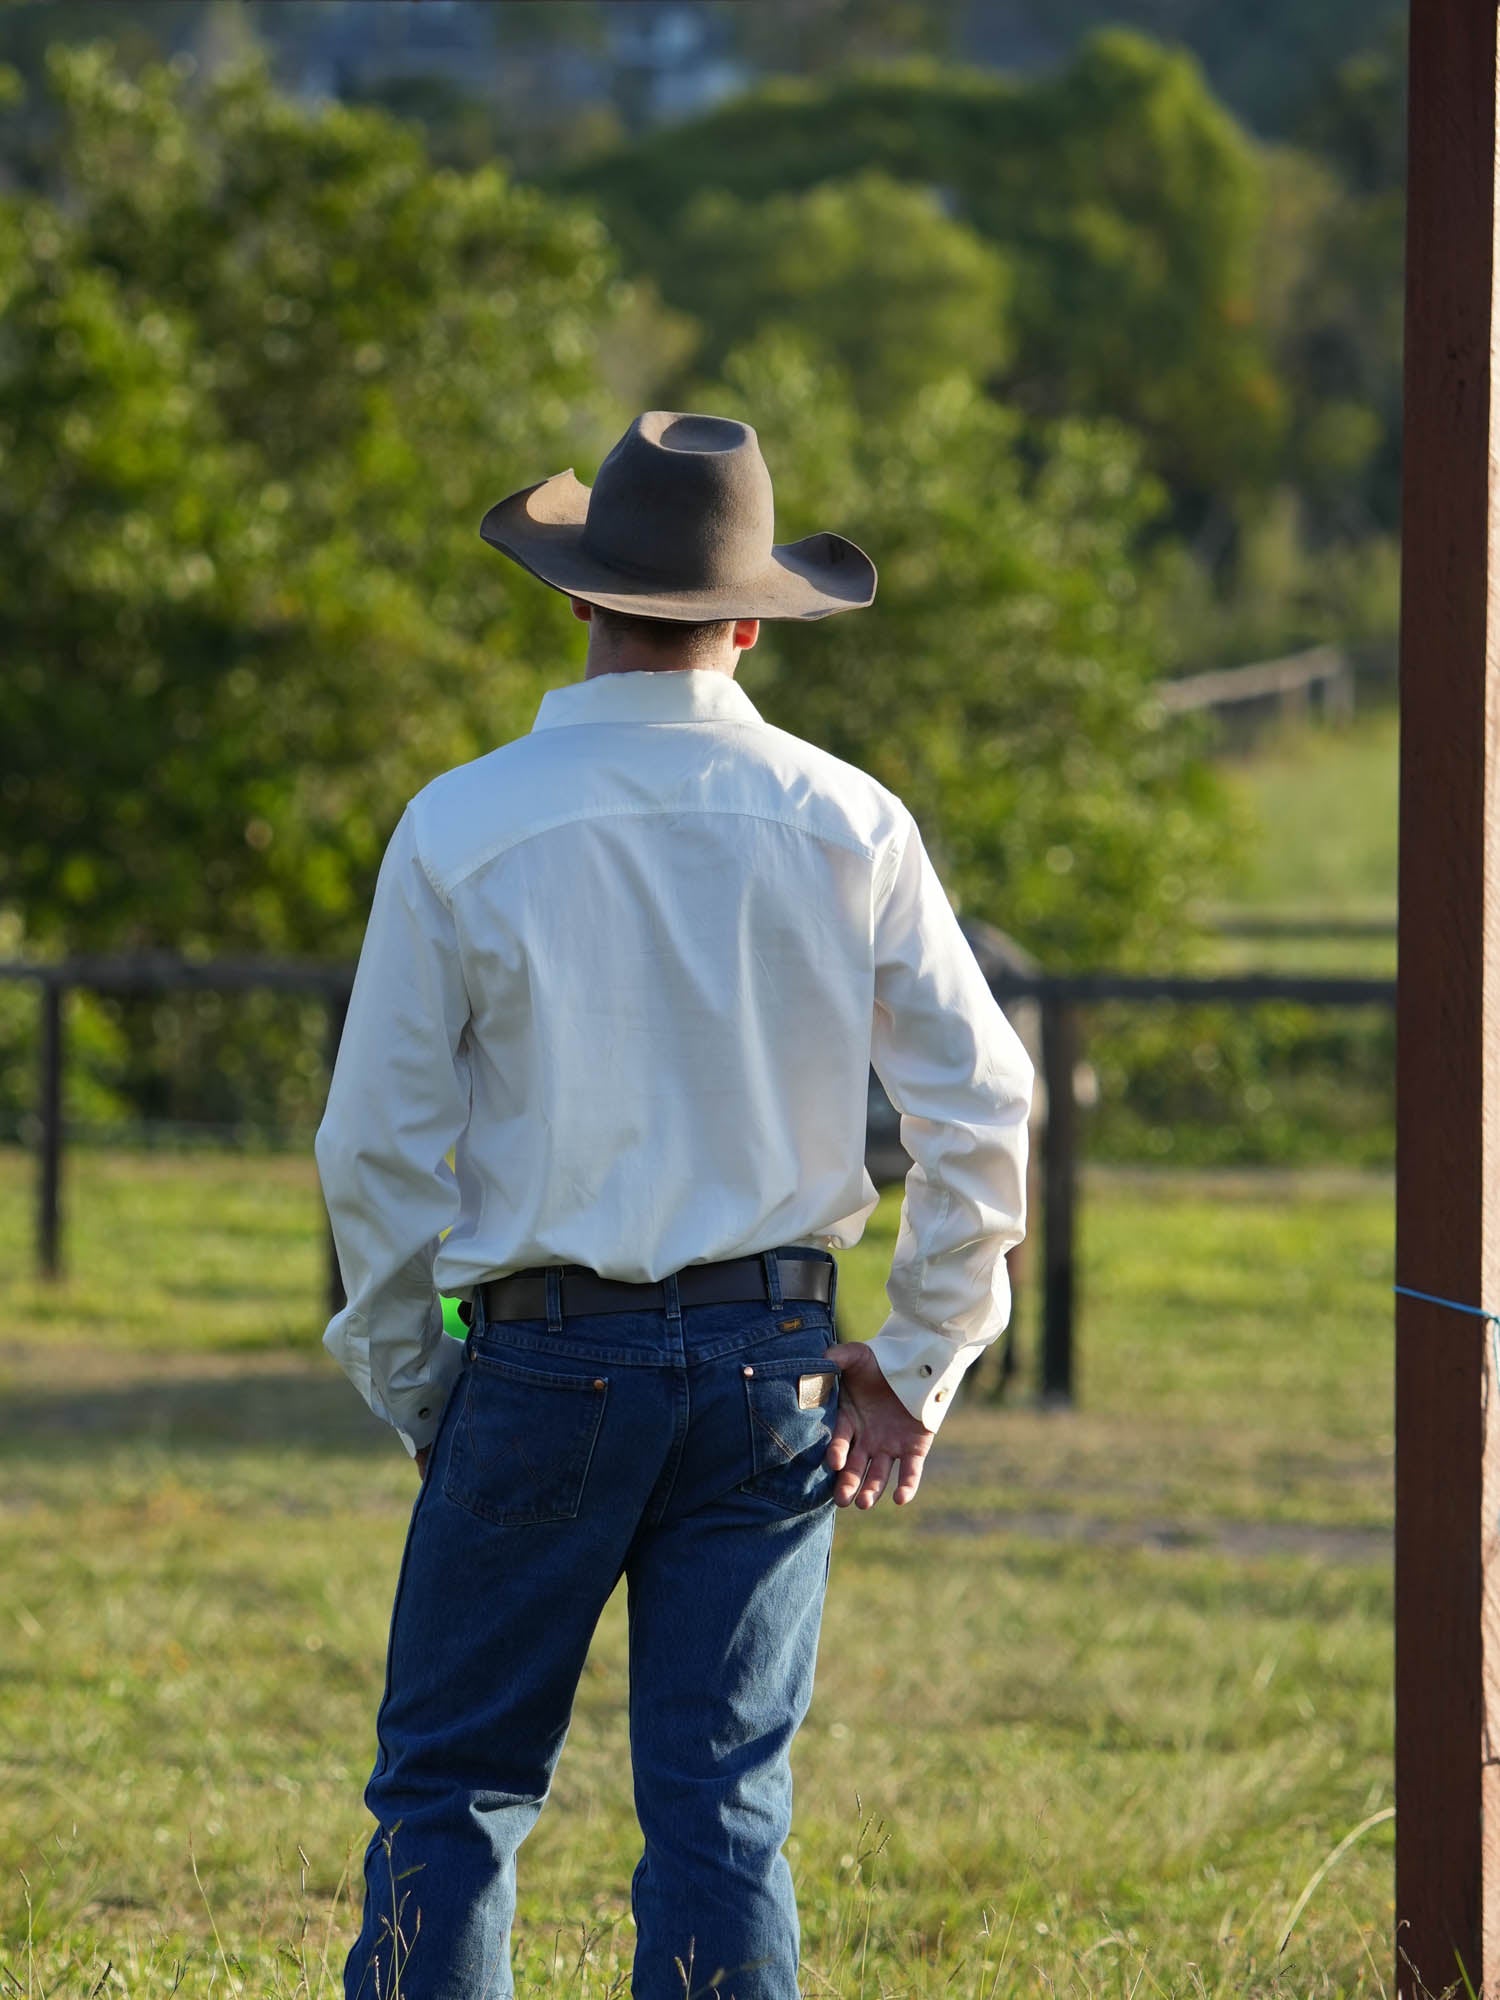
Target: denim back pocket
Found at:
x=522, y=1442
x=790, y=1406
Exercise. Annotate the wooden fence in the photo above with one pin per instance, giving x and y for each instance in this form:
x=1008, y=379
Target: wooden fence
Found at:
x=1291, y=684
x=1061, y=999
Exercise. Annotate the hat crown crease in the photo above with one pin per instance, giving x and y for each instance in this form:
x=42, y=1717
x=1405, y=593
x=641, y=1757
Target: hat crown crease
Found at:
x=683, y=498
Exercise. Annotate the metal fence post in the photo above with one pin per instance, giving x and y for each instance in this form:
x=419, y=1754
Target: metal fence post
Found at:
x=1060, y=1043
x=50, y=1112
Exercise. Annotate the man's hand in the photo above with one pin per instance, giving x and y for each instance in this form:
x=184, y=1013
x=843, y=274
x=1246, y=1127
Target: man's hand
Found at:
x=422, y=1463
x=875, y=1436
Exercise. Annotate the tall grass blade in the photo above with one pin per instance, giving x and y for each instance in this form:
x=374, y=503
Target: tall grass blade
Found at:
x=1329, y=1859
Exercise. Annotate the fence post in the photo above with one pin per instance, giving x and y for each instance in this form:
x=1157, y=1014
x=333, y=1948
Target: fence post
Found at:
x=338, y=1010
x=50, y=1112
x=1060, y=1043
x=1447, y=1606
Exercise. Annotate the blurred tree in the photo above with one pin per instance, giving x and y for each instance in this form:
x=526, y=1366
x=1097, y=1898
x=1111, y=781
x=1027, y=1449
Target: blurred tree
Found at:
x=1357, y=119
x=1329, y=294
x=809, y=37
x=1340, y=339
x=1265, y=58
x=1130, y=201
x=261, y=373
x=1123, y=199
x=873, y=274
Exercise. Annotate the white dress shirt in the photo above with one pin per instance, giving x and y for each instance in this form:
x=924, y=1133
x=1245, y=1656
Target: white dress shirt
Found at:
x=631, y=970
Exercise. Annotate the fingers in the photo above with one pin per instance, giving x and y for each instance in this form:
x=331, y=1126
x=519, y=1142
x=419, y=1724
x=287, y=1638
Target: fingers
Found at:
x=862, y=1481
x=877, y=1472
x=876, y=1445
x=839, y=1444
x=868, y=1467
x=910, y=1480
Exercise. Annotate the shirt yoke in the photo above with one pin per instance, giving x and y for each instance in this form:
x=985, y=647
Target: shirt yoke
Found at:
x=553, y=779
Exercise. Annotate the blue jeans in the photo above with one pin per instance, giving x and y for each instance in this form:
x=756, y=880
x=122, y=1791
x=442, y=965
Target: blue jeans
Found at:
x=681, y=1448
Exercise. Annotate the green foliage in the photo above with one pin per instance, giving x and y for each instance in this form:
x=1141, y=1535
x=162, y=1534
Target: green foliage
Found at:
x=1236, y=307
x=1269, y=59
x=262, y=372
x=1132, y=200
x=871, y=273
x=1121, y=196
x=1274, y=1085
x=1357, y=120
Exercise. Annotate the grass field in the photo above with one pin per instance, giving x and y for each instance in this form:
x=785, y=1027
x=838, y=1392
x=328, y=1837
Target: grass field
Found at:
x=1090, y=1716
x=1320, y=806
x=1325, y=800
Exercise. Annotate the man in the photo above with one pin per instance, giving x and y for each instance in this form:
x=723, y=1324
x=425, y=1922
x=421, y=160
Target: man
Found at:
x=631, y=971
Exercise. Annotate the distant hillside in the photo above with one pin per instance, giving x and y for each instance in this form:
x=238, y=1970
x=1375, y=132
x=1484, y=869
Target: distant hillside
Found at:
x=548, y=79
x=1267, y=59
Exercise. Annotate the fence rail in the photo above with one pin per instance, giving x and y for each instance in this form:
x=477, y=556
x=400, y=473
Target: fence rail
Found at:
x=1288, y=682
x=1060, y=997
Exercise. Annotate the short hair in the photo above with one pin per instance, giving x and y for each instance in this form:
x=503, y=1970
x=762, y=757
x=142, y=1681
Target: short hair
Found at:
x=687, y=639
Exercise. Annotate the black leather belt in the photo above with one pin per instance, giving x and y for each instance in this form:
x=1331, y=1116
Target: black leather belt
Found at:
x=523, y=1295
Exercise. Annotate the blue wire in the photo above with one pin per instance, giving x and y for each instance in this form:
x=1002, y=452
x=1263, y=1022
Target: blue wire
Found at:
x=1453, y=1305
x=1457, y=1305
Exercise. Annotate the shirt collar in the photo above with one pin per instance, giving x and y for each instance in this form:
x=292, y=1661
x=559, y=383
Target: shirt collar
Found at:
x=687, y=694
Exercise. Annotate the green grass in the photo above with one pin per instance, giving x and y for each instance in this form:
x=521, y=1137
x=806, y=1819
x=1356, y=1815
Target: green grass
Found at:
x=1318, y=805
x=1324, y=803
x=1089, y=1716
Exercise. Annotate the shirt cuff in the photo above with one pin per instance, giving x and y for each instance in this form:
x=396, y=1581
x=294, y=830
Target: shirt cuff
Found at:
x=923, y=1367
x=413, y=1409
x=417, y=1412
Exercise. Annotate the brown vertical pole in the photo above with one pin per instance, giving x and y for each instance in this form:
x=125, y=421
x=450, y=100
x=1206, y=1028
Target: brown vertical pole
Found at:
x=50, y=1114
x=1448, y=1017
x=1059, y=1202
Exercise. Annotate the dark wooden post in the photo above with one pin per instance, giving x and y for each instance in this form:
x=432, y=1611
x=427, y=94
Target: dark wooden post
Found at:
x=1448, y=1021
x=338, y=1009
x=50, y=1114
x=1059, y=1199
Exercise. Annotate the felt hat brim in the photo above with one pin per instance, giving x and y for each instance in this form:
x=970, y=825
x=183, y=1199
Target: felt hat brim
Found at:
x=542, y=528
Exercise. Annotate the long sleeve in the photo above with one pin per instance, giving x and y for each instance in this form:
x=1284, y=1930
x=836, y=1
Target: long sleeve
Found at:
x=954, y=1068
x=397, y=1103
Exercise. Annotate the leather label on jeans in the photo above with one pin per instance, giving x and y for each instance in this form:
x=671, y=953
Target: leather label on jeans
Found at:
x=814, y=1390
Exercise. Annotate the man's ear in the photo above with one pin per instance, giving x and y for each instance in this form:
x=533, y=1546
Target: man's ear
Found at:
x=582, y=610
x=746, y=632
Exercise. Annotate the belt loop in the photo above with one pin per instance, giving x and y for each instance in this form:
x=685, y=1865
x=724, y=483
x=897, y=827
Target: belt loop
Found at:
x=554, y=1298
x=833, y=1293
x=772, y=1266
x=672, y=1298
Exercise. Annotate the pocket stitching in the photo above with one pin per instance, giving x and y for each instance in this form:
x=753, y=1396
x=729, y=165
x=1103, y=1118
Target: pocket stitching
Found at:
x=768, y=1481
x=538, y=1513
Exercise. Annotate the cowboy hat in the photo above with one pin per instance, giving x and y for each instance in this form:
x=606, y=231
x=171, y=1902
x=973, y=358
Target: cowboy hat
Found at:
x=677, y=525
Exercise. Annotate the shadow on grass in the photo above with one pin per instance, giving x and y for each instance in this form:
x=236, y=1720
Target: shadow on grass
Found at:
x=291, y=1408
